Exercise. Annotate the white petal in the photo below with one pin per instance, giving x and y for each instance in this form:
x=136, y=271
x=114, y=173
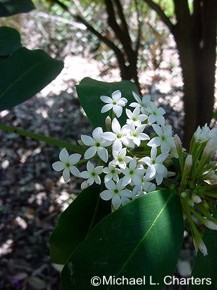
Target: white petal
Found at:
x=151, y=119
x=97, y=179
x=116, y=126
x=116, y=147
x=146, y=160
x=126, y=180
x=159, y=179
x=116, y=95
x=64, y=155
x=136, y=97
x=74, y=171
x=99, y=169
x=106, y=108
x=58, y=166
x=84, y=185
x=124, y=200
x=74, y=158
x=161, y=169
x=156, y=141
x=90, y=166
x=127, y=193
x=85, y=174
x=110, y=185
x=103, y=154
x=66, y=174
x=116, y=201
x=106, y=99
x=87, y=140
x=150, y=173
x=90, y=152
x=122, y=102
x=109, y=136
x=97, y=133
x=118, y=111
x=106, y=195
x=157, y=129
x=136, y=180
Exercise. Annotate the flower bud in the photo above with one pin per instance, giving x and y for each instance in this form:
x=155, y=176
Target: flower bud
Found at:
x=178, y=142
x=202, y=247
x=196, y=198
x=211, y=225
x=188, y=164
x=108, y=123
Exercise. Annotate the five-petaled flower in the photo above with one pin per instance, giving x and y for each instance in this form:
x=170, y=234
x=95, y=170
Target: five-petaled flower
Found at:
x=92, y=174
x=116, y=103
x=66, y=164
x=117, y=192
x=97, y=145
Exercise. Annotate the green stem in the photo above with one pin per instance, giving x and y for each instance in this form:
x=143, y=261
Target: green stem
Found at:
x=46, y=139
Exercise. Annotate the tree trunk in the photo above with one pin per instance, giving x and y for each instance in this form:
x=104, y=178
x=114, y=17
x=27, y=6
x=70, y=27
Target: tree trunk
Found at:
x=195, y=37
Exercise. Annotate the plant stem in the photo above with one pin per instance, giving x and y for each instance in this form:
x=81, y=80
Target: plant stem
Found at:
x=46, y=139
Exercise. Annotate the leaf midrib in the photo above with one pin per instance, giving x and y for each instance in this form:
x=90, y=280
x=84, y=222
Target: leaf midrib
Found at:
x=19, y=78
x=131, y=255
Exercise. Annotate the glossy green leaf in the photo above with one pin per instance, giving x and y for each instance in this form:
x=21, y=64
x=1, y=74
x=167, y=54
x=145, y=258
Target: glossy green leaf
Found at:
x=9, y=40
x=11, y=7
x=143, y=238
x=25, y=73
x=76, y=221
x=205, y=266
x=89, y=92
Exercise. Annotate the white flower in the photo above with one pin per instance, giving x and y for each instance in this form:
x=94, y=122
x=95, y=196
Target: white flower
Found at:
x=164, y=139
x=121, y=159
x=92, y=174
x=117, y=193
x=116, y=103
x=155, y=169
x=132, y=173
x=119, y=136
x=97, y=144
x=66, y=164
x=135, y=118
x=144, y=188
x=202, y=134
x=112, y=172
x=155, y=114
x=141, y=103
x=137, y=135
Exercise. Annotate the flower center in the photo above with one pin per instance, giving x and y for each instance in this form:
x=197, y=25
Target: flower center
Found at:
x=67, y=165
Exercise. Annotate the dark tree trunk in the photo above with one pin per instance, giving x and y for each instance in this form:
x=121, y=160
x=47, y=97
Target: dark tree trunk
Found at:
x=195, y=37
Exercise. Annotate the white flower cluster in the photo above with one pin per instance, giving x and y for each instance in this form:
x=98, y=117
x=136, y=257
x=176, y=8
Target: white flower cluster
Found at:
x=126, y=159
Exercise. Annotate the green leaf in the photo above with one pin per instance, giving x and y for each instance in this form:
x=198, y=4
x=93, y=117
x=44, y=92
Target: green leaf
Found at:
x=9, y=40
x=143, y=238
x=11, y=7
x=25, y=73
x=89, y=92
x=76, y=221
x=205, y=266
